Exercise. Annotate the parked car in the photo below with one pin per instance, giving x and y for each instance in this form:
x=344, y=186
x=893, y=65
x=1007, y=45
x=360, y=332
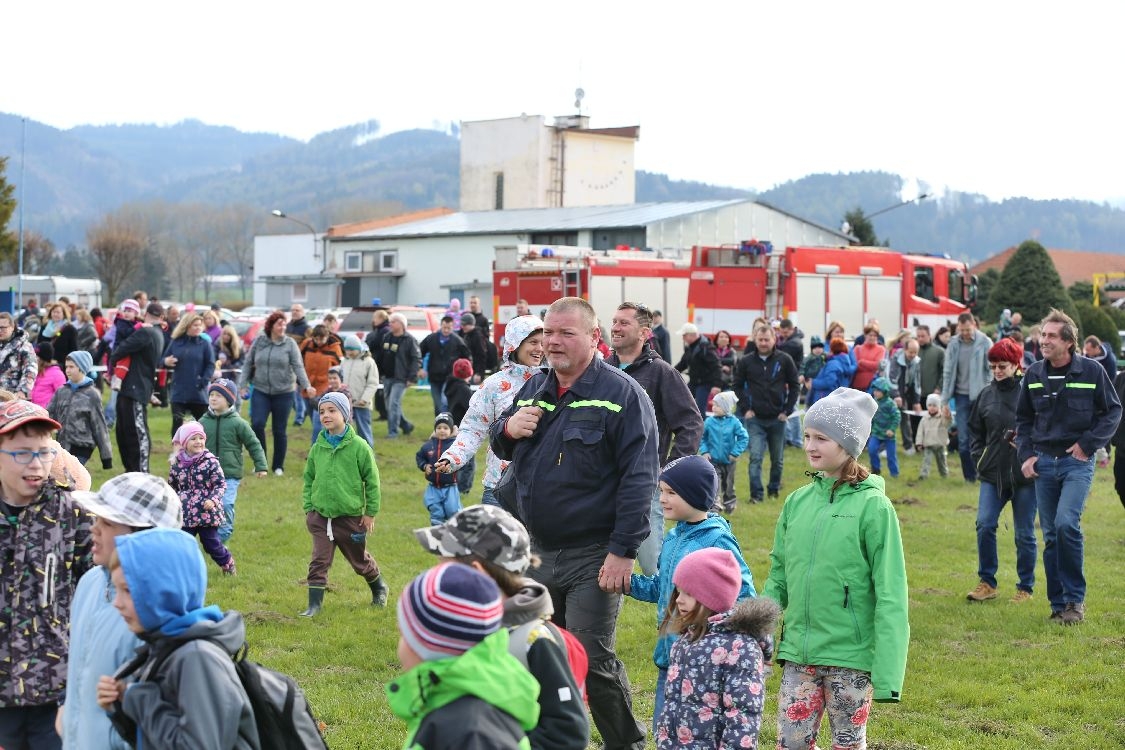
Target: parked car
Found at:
x=248, y=328
x=420, y=321
x=256, y=310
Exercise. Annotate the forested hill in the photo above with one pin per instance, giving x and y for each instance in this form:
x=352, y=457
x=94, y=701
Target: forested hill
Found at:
x=73, y=177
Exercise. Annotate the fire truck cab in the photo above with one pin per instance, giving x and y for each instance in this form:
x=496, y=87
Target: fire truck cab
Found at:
x=732, y=285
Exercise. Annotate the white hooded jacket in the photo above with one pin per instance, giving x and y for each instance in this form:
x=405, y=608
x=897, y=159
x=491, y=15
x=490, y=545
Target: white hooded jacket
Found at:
x=491, y=400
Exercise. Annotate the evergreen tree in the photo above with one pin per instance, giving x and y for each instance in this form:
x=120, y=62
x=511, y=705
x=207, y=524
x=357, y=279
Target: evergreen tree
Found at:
x=1030, y=285
x=9, y=241
x=861, y=227
x=986, y=286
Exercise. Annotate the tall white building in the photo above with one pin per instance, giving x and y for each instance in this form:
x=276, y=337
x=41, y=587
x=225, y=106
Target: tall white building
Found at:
x=524, y=162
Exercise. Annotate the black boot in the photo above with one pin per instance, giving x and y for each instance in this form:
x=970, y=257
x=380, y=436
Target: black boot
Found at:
x=316, y=599
x=379, y=592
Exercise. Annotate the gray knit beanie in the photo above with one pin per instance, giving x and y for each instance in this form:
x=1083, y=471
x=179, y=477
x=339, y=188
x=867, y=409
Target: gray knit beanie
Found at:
x=845, y=416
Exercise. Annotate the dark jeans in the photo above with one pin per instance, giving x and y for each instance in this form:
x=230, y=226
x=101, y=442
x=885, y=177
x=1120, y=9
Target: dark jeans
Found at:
x=465, y=476
x=961, y=419
x=765, y=432
x=701, y=394
x=1061, y=491
x=179, y=409
x=590, y=614
x=1119, y=474
x=82, y=453
x=989, y=507
x=437, y=393
x=29, y=728
x=263, y=406
x=726, y=499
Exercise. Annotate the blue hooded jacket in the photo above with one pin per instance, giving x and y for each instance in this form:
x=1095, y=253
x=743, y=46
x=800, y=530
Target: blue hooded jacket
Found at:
x=167, y=578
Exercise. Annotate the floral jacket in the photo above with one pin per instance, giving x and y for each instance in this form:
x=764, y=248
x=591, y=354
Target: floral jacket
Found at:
x=197, y=482
x=716, y=685
x=18, y=364
x=491, y=400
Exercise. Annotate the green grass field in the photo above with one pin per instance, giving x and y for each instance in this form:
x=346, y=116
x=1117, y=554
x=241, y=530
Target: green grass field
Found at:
x=992, y=675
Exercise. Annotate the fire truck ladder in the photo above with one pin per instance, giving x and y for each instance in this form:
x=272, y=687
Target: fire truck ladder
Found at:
x=774, y=263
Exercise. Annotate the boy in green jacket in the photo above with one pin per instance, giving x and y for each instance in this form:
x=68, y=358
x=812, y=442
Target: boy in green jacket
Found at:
x=227, y=434
x=341, y=498
x=837, y=570
x=461, y=688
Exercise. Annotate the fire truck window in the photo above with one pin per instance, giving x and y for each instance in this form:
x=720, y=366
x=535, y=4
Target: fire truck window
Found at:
x=956, y=286
x=924, y=283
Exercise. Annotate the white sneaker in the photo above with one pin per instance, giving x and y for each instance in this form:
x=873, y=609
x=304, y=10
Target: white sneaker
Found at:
x=278, y=472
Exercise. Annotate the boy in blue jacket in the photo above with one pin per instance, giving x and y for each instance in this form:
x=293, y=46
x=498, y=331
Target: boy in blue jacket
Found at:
x=724, y=440
x=688, y=487
x=442, y=497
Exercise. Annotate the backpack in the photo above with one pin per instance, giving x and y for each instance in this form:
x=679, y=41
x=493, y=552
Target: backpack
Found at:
x=282, y=714
x=522, y=636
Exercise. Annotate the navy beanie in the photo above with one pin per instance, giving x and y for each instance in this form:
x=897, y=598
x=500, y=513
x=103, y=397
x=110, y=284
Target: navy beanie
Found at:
x=694, y=479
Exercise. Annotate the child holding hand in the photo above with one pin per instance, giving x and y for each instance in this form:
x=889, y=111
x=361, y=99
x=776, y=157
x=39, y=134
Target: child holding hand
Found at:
x=687, y=492
x=715, y=690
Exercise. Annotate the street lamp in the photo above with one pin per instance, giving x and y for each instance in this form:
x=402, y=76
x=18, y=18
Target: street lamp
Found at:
x=282, y=215
x=846, y=228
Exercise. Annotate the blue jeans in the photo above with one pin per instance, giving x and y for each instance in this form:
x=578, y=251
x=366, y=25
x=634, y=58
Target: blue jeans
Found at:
x=701, y=394
x=876, y=444
x=989, y=507
x=301, y=407
x=1061, y=491
x=793, y=434
x=442, y=502
x=437, y=393
x=362, y=417
x=648, y=556
x=488, y=497
x=111, y=409
x=226, y=528
x=393, y=390
x=658, y=698
x=961, y=420
x=762, y=432
x=314, y=417
x=263, y=407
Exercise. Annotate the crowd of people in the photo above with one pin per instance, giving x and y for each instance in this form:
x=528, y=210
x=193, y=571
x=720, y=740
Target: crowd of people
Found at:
x=508, y=640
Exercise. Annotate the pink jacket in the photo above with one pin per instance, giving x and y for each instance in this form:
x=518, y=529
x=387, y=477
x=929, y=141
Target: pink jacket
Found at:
x=47, y=382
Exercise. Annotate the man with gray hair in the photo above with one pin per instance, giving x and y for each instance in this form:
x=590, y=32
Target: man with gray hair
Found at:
x=399, y=353
x=1067, y=409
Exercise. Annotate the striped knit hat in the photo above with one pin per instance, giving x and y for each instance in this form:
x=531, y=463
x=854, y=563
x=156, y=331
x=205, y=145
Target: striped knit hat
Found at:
x=447, y=610
x=225, y=388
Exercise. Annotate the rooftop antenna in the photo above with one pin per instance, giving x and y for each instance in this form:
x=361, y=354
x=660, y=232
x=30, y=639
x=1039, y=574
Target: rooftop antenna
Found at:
x=579, y=95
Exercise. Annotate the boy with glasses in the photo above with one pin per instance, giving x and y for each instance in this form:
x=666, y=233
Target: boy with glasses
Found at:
x=45, y=548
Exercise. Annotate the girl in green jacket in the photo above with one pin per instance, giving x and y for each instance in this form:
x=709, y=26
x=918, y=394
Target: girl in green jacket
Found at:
x=838, y=572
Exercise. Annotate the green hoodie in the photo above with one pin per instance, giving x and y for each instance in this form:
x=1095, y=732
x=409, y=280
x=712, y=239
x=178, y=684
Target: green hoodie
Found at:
x=838, y=572
x=227, y=433
x=342, y=480
x=486, y=672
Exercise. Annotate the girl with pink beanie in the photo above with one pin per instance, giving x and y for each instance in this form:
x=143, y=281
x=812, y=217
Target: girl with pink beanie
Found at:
x=715, y=689
x=197, y=477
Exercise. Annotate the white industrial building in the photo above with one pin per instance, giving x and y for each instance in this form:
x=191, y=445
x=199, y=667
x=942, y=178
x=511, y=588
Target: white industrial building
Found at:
x=523, y=182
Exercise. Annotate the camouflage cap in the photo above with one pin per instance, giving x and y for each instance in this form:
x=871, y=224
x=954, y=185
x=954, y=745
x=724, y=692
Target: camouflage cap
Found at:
x=487, y=531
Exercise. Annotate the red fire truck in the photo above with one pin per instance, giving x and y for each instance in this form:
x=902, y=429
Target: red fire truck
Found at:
x=734, y=284
x=541, y=274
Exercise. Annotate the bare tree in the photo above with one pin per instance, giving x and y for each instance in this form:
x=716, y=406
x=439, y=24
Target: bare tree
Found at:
x=116, y=245
x=38, y=255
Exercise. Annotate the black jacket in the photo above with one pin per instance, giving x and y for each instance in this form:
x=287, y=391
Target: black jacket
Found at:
x=702, y=365
x=1085, y=410
x=678, y=421
x=992, y=416
x=769, y=387
x=401, y=357
x=589, y=472
x=144, y=345
x=478, y=350
x=374, y=343
x=441, y=360
x=794, y=346
x=457, y=394
x=663, y=343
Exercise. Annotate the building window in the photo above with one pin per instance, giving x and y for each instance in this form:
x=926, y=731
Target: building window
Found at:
x=388, y=261
x=956, y=286
x=300, y=292
x=611, y=239
x=499, y=191
x=353, y=262
x=567, y=239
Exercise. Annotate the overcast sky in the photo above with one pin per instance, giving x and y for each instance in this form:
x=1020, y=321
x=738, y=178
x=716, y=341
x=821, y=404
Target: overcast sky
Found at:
x=994, y=97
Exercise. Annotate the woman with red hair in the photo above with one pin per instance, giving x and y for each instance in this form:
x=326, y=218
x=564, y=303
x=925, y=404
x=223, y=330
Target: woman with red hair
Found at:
x=870, y=358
